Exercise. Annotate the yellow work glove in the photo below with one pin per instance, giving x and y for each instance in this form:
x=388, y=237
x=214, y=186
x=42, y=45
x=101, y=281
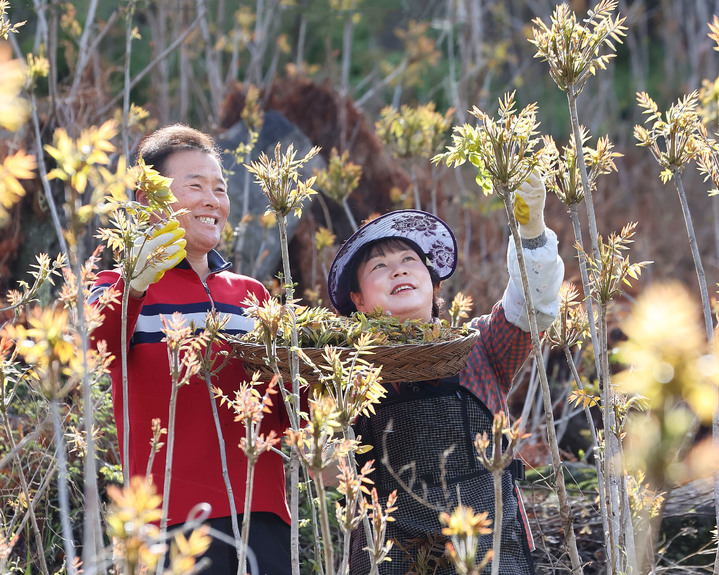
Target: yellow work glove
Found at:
x=156, y=254
x=529, y=206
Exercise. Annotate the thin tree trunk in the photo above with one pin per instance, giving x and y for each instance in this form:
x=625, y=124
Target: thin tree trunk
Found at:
x=158, y=25
x=294, y=512
x=706, y=307
x=345, y=81
x=457, y=103
x=175, y=372
x=701, y=276
x=30, y=501
x=246, y=515
x=83, y=54
x=415, y=188
x=212, y=65
x=92, y=524
x=52, y=57
x=125, y=384
x=299, y=58
x=350, y=217
x=294, y=373
x=610, y=456
x=242, y=227
x=68, y=540
x=627, y=524
x=715, y=213
x=565, y=416
x=31, y=508
x=45, y=182
x=315, y=522
x=595, y=444
x=185, y=73
x=41, y=29
x=588, y=201
x=239, y=547
x=265, y=16
x=327, y=544
x=672, y=44
x=325, y=212
x=529, y=400
x=498, y=518
x=589, y=304
x=433, y=190
x=565, y=511
x=611, y=445
x=145, y=71
x=233, y=69
x=126, y=92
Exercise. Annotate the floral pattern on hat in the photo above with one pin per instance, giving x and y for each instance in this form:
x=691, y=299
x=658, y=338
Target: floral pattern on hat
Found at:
x=416, y=223
x=429, y=233
x=442, y=256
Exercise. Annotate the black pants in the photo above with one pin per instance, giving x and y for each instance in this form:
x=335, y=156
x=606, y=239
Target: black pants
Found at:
x=269, y=542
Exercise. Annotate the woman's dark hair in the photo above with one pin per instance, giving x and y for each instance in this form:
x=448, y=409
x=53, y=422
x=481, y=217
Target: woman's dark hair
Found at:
x=158, y=146
x=380, y=248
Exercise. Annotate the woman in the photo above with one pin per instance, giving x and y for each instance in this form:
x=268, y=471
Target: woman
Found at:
x=396, y=262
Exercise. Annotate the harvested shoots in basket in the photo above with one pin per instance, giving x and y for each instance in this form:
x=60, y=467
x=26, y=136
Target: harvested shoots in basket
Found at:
x=318, y=327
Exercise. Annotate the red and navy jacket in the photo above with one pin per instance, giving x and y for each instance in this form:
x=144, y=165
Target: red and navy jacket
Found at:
x=196, y=466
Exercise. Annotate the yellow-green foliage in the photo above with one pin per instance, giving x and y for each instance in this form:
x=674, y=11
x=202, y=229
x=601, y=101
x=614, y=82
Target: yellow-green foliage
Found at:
x=572, y=49
x=280, y=180
x=502, y=150
x=319, y=327
x=413, y=132
x=340, y=178
x=674, y=140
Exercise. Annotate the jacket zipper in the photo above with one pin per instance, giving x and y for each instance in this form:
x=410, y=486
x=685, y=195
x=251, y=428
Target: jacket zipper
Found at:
x=209, y=295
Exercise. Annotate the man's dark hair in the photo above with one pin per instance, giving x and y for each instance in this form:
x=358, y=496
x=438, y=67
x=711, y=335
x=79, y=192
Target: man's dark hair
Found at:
x=156, y=147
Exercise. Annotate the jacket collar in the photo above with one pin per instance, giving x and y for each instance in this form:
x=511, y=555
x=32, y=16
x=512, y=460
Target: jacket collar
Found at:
x=215, y=261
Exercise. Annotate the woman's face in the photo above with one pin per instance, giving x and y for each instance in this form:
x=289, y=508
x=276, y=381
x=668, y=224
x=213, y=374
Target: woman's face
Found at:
x=397, y=281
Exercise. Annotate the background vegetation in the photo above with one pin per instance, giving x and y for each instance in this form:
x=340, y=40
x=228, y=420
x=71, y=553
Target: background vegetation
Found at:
x=331, y=68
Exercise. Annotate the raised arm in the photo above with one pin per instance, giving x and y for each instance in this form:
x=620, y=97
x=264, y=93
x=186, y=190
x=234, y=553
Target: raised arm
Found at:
x=545, y=269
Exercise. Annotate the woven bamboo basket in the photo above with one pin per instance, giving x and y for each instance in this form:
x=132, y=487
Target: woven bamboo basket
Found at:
x=401, y=362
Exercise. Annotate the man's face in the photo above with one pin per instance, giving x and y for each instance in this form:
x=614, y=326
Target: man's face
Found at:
x=199, y=187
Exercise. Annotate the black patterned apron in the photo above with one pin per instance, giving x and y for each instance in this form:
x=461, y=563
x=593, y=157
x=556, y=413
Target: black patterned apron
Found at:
x=417, y=426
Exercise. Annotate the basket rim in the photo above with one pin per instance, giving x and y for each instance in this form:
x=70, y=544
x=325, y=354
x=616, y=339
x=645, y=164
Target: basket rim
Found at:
x=472, y=335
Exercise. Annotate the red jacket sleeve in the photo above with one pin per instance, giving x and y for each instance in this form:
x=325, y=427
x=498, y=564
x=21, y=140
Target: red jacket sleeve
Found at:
x=110, y=328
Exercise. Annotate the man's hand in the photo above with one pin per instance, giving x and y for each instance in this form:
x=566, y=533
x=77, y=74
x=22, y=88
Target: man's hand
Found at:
x=156, y=254
x=529, y=206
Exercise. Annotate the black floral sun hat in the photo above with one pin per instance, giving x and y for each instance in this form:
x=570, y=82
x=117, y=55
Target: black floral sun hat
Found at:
x=426, y=231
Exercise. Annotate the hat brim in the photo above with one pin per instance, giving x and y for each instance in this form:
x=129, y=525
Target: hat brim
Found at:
x=428, y=232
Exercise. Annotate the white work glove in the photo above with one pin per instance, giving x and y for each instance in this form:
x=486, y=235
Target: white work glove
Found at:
x=529, y=206
x=156, y=254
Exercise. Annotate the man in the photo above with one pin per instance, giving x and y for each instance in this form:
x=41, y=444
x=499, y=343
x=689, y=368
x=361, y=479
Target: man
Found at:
x=193, y=279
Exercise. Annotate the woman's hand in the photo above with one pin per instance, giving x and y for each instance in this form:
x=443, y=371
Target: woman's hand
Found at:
x=529, y=206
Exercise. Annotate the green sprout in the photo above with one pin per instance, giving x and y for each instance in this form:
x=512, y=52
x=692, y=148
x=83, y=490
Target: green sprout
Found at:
x=280, y=180
x=502, y=150
x=339, y=180
x=673, y=139
x=414, y=133
x=563, y=176
x=573, y=49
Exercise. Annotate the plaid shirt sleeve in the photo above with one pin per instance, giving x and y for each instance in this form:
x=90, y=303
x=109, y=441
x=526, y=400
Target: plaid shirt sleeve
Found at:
x=494, y=360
